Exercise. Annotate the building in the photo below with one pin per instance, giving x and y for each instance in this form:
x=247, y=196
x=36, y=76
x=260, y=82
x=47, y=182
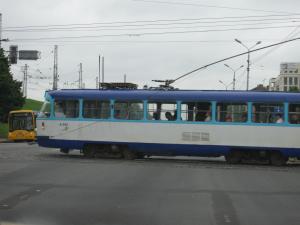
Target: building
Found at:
x=288, y=79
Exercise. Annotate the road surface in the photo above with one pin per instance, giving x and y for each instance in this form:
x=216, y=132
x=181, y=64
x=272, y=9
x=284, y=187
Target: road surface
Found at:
x=43, y=187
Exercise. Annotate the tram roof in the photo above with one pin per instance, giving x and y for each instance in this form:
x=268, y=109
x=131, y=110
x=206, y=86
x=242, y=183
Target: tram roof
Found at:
x=180, y=95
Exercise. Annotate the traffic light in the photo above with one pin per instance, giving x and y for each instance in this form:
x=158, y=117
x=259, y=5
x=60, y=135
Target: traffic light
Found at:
x=13, y=54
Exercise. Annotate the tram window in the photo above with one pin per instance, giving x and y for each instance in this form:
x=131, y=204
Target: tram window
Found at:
x=294, y=113
x=66, y=108
x=267, y=113
x=232, y=112
x=96, y=109
x=196, y=111
x=128, y=110
x=162, y=111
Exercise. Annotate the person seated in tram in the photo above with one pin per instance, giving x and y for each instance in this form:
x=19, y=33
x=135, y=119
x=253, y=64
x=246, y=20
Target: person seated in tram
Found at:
x=155, y=116
x=228, y=118
x=169, y=116
x=200, y=116
x=278, y=118
x=294, y=119
x=244, y=117
x=207, y=116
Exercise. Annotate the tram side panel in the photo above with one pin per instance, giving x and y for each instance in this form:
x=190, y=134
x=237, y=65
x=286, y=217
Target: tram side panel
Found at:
x=173, y=138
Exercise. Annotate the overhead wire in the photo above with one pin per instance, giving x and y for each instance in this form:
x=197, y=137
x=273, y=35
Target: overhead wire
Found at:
x=237, y=23
x=207, y=6
x=153, y=22
x=149, y=33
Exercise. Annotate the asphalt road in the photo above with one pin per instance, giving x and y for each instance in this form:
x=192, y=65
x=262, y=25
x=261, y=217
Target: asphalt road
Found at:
x=43, y=187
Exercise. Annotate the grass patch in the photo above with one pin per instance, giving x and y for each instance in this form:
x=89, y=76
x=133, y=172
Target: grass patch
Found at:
x=3, y=130
x=31, y=104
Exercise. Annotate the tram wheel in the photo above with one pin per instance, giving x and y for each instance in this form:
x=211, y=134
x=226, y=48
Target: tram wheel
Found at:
x=277, y=159
x=129, y=155
x=65, y=150
x=233, y=157
x=88, y=151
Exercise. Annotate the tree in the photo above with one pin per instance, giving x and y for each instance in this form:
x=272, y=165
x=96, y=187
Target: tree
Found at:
x=10, y=90
x=294, y=89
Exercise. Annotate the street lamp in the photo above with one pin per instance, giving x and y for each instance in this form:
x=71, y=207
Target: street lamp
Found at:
x=234, y=71
x=226, y=86
x=248, y=60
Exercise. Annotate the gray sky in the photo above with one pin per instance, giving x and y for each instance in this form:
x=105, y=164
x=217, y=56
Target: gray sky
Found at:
x=151, y=56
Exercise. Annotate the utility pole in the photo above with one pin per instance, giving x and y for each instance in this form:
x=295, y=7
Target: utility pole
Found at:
x=103, y=69
x=248, y=58
x=25, y=78
x=97, y=82
x=5, y=39
x=80, y=77
x=55, y=75
x=99, y=73
x=0, y=28
x=124, y=78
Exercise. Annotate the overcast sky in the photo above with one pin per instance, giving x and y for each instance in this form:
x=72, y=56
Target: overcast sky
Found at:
x=159, y=39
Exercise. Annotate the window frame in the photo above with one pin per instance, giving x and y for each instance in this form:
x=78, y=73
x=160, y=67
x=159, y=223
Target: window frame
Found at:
x=195, y=111
x=246, y=104
x=113, y=111
x=99, y=101
x=79, y=108
x=176, y=110
x=283, y=113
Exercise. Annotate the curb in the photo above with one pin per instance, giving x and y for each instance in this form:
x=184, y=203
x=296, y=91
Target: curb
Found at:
x=5, y=141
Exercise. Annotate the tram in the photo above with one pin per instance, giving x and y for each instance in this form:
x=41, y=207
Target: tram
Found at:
x=240, y=125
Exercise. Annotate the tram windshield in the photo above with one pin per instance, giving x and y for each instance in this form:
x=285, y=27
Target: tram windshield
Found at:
x=45, y=110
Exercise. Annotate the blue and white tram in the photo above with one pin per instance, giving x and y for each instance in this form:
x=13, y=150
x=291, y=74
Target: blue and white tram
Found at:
x=133, y=123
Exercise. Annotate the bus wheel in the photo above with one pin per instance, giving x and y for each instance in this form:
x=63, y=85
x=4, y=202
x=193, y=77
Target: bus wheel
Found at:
x=277, y=159
x=233, y=157
x=129, y=155
x=64, y=150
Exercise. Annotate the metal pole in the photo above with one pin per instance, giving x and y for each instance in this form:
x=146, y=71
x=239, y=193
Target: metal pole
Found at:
x=55, y=76
x=233, y=85
x=80, y=76
x=248, y=69
x=25, y=80
x=124, y=78
x=103, y=69
x=99, y=74
x=0, y=28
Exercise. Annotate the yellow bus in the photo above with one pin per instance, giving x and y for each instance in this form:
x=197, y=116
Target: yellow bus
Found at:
x=22, y=125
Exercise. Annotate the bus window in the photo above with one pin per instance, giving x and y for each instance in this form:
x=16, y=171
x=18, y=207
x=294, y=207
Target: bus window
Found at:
x=294, y=113
x=196, y=111
x=21, y=121
x=45, y=110
x=66, y=108
x=267, y=113
x=162, y=111
x=96, y=109
x=128, y=110
x=232, y=112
